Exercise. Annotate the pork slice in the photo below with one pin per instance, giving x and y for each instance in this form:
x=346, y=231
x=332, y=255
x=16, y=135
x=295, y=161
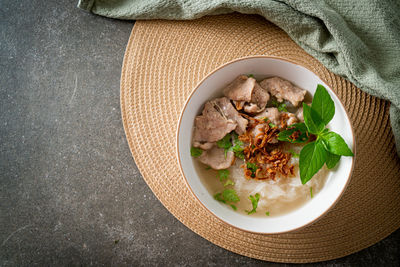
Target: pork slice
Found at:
x=238, y=104
x=283, y=89
x=240, y=89
x=259, y=99
x=252, y=108
x=212, y=125
x=299, y=114
x=292, y=119
x=231, y=113
x=260, y=128
x=203, y=146
x=272, y=114
x=215, y=158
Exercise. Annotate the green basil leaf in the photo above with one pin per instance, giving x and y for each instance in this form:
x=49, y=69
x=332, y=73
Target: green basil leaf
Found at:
x=301, y=127
x=335, y=144
x=323, y=105
x=195, y=152
x=331, y=160
x=312, y=120
x=230, y=195
x=254, y=202
x=312, y=158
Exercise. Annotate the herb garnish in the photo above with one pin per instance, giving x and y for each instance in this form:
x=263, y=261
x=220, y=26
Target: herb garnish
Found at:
x=294, y=154
x=228, y=195
x=254, y=202
x=225, y=143
x=223, y=175
x=331, y=160
x=311, y=193
x=287, y=135
x=236, y=147
x=229, y=182
x=280, y=105
x=328, y=146
x=253, y=167
x=250, y=76
x=195, y=152
x=219, y=197
x=267, y=213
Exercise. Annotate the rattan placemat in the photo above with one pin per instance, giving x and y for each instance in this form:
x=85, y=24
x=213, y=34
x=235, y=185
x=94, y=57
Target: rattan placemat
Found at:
x=164, y=60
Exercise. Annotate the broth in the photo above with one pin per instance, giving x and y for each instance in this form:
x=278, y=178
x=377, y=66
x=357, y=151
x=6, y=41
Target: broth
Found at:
x=278, y=197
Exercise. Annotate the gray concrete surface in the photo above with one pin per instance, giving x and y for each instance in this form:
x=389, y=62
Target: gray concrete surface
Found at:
x=70, y=193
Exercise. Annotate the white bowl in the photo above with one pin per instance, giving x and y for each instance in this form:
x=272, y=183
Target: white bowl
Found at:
x=210, y=87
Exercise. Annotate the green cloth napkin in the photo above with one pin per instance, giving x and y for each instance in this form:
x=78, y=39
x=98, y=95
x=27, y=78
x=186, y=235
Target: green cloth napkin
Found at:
x=359, y=40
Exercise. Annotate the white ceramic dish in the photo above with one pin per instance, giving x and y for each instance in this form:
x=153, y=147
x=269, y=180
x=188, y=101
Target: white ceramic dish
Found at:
x=210, y=87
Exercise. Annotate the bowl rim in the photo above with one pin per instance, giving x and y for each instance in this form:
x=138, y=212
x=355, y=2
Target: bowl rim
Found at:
x=184, y=176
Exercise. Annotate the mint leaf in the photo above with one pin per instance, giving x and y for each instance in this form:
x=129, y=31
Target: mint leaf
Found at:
x=312, y=158
x=254, y=202
x=230, y=195
x=300, y=127
x=312, y=120
x=323, y=105
x=331, y=160
x=196, y=152
x=223, y=174
x=335, y=144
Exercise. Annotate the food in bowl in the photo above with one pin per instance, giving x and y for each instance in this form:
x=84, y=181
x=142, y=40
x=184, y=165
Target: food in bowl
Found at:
x=257, y=147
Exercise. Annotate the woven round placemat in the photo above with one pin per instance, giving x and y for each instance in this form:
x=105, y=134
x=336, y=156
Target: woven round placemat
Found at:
x=164, y=61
